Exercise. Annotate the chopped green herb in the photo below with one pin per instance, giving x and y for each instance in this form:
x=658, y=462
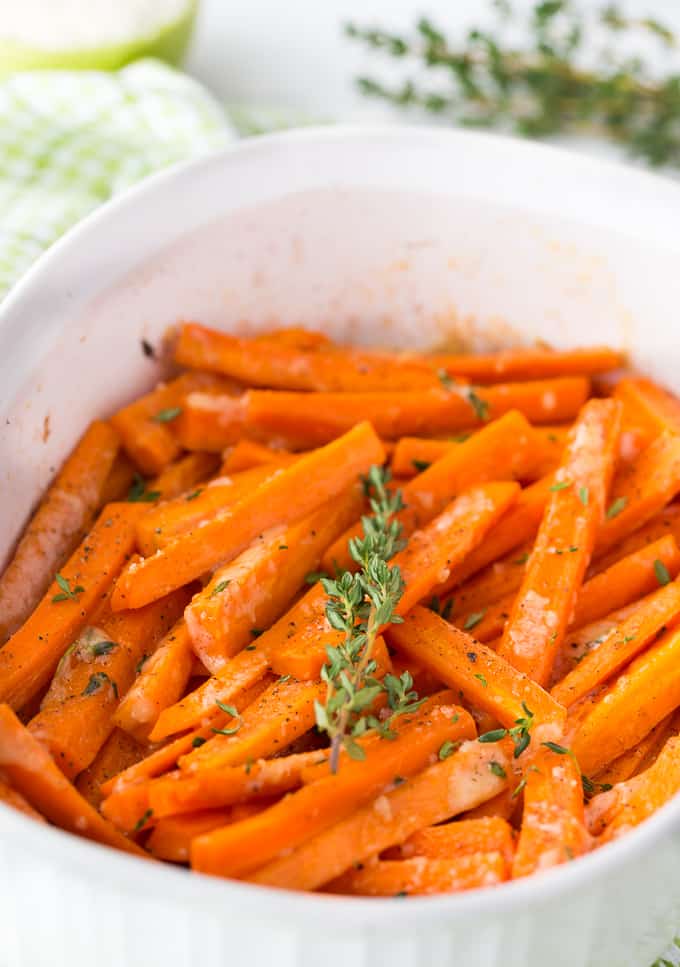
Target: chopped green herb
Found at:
x=315, y=576
x=142, y=821
x=284, y=678
x=483, y=680
x=498, y=769
x=519, y=788
x=97, y=681
x=194, y=494
x=561, y=485
x=661, y=571
x=250, y=648
x=473, y=619
x=522, y=559
x=67, y=593
x=197, y=742
x=554, y=747
x=616, y=507
x=283, y=547
x=461, y=438
x=249, y=765
x=583, y=495
x=494, y=736
x=138, y=494
x=445, y=379
x=446, y=749
x=100, y=648
x=421, y=465
x=167, y=415
x=219, y=588
x=140, y=664
x=256, y=632
x=480, y=406
x=228, y=709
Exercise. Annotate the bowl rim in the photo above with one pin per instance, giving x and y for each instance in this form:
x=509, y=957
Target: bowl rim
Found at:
x=72, y=852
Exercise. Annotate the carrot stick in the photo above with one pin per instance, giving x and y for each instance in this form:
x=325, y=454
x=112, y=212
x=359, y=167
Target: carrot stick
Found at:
x=553, y=823
x=76, y=716
x=530, y=363
x=649, y=405
x=306, y=419
x=118, y=482
x=296, y=336
x=184, y=474
x=500, y=451
x=541, y=612
x=172, y=518
x=610, y=814
x=215, y=788
x=621, y=645
x=482, y=677
x=667, y=521
x=242, y=848
x=32, y=772
x=30, y=657
x=210, y=421
x=287, y=497
x=423, y=877
x=62, y=517
x=171, y=837
x=144, y=426
x=644, y=694
x=247, y=454
x=253, y=590
x=282, y=713
x=118, y=753
x=637, y=759
x=446, y=789
x=160, y=683
x=10, y=797
x=461, y=838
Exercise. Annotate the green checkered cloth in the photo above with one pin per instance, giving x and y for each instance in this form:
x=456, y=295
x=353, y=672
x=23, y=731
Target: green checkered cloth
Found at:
x=71, y=140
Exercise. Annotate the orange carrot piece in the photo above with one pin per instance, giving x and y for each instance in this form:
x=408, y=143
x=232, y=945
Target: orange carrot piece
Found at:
x=553, y=822
x=450, y=787
x=482, y=677
x=160, y=683
x=296, y=336
x=62, y=517
x=306, y=419
x=541, y=612
x=118, y=482
x=144, y=426
x=644, y=694
x=171, y=837
x=637, y=759
x=30, y=657
x=118, y=753
x=254, y=589
x=423, y=877
x=500, y=451
x=530, y=363
x=649, y=405
x=10, y=797
x=283, y=712
x=285, y=498
x=210, y=421
x=666, y=522
x=32, y=772
x=215, y=788
x=487, y=835
x=243, y=847
x=612, y=813
x=621, y=645
x=181, y=476
x=75, y=722
x=247, y=454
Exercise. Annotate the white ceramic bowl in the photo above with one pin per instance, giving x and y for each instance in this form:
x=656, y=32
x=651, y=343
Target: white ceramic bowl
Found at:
x=391, y=236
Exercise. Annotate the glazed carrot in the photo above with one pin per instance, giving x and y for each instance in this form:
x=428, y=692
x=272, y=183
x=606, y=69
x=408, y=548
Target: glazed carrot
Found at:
x=503, y=806
x=215, y=788
x=649, y=405
x=423, y=877
x=247, y=454
x=541, y=612
x=637, y=759
x=553, y=823
x=483, y=678
x=612, y=813
x=30, y=657
x=622, y=583
x=210, y=421
x=32, y=772
x=119, y=752
x=498, y=452
x=172, y=518
x=144, y=426
x=62, y=517
x=160, y=683
x=530, y=363
x=446, y=789
x=621, y=645
x=296, y=336
x=306, y=419
x=285, y=498
x=253, y=590
x=488, y=835
x=75, y=722
x=10, y=797
x=171, y=837
x=667, y=521
x=282, y=713
x=243, y=847
x=118, y=482
x=644, y=694
x=184, y=474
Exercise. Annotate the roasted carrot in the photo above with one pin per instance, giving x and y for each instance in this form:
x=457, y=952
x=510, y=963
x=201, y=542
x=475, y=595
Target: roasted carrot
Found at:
x=10, y=797
x=287, y=497
x=183, y=475
x=666, y=522
x=423, y=877
x=648, y=405
x=62, y=517
x=637, y=759
x=118, y=482
x=498, y=452
x=458, y=783
x=171, y=837
x=296, y=336
x=307, y=419
x=32, y=772
x=553, y=823
x=119, y=752
x=483, y=677
x=529, y=363
x=243, y=847
x=643, y=694
x=461, y=838
x=541, y=612
x=30, y=657
x=247, y=454
x=253, y=590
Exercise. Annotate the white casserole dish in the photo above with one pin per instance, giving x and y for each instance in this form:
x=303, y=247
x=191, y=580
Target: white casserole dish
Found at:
x=393, y=236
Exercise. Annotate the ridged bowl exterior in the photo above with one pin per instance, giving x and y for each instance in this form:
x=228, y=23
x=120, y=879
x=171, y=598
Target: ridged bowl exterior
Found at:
x=399, y=237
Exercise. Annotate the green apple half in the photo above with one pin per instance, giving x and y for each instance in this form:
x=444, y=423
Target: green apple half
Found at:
x=168, y=41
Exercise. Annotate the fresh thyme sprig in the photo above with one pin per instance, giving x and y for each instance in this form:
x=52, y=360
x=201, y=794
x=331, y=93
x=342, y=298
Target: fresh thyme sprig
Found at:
x=540, y=88
x=359, y=605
